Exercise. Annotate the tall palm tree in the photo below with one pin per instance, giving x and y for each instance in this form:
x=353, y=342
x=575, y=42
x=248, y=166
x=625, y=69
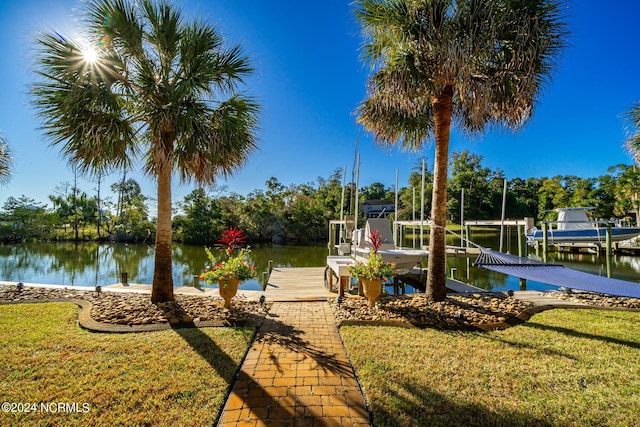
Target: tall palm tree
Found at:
x=473, y=63
x=147, y=84
x=6, y=160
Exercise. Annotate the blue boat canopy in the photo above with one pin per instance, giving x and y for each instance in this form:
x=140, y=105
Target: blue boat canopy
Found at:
x=554, y=274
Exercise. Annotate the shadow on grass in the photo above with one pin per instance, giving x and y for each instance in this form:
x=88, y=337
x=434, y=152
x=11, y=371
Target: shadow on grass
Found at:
x=578, y=334
x=410, y=405
x=542, y=348
x=206, y=348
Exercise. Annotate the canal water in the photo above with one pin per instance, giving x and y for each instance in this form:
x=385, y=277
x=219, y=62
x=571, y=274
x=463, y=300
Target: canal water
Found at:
x=91, y=264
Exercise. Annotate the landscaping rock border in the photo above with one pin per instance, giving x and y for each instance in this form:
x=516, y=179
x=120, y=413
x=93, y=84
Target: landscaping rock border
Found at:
x=134, y=312
x=457, y=312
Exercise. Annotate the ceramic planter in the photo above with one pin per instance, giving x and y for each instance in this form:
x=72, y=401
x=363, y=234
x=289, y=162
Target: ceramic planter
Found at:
x=372, y=290
x=228, y=289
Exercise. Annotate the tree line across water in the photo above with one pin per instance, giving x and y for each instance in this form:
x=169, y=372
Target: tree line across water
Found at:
x=300, y=212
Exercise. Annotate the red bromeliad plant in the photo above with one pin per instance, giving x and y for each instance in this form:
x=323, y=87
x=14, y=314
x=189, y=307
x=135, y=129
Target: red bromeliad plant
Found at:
x=375, y=268
x=234, y=266
x=375, y=240
x=232, y=237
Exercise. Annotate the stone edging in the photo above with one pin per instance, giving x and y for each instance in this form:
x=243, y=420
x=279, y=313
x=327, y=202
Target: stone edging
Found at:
x=524, y=316
x=87, y=322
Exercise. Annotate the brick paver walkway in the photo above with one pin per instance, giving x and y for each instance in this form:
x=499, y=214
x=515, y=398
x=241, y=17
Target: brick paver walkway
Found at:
x=296, y=373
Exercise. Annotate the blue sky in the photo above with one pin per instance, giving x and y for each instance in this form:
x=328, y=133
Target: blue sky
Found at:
x=309, y=80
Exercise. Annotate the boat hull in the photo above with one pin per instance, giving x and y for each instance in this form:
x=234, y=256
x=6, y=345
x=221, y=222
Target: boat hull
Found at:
x=405, y=259
x=593, y=235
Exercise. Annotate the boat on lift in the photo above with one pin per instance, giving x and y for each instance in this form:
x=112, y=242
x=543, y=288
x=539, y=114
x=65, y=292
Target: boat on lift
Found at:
x=575, y=226
x=404, y=258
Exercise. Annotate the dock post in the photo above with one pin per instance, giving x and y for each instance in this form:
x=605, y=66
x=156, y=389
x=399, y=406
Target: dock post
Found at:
x=468, y=232
x=332, y=239
x=545, y=240
x=521, y=253
x=270, y=266
x=608, y=242
x=265, y=280
x=523, y=284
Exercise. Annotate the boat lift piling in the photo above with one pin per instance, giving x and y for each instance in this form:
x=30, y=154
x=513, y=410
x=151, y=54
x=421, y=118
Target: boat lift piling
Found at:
x=608, y=243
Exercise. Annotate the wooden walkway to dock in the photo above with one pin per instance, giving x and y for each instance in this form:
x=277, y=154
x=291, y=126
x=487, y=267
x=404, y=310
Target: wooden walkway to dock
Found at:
x=297, y=284
x=285, y=284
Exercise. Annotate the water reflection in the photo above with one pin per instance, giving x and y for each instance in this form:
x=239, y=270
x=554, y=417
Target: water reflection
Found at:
x=623, y=267
x=91, y=264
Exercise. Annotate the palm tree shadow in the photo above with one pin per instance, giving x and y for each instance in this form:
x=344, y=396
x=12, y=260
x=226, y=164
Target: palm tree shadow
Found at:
x=276, y=334
x=206, y=348
x=408, y=404
x=578, y=334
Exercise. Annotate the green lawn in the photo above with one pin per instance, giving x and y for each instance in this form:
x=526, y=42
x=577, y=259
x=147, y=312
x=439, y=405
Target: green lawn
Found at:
x=561, y=368
x=173, y=377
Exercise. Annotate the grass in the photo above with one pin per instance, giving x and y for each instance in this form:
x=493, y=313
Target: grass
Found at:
x=173, y=377
x=562, y=368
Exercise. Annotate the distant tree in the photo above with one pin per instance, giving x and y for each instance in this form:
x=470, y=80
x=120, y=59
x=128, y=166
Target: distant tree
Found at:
x=23, y=219
x=627, y=192
x=436, y=62
x=131, y=223
x=201, y=220
x=525, y=196
x=552, y=195
x=375, y=191
x=6, y=160
x=466, y=172
x=158, y=87
x=265, y=211
x=303, y=219
x=410, y=205
x=329, y=195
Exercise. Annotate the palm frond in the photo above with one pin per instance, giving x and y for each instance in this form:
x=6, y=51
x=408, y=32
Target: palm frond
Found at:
x=6, y=161
x=221, y=141
x=76, y=103
x=632, y=143
x=497, y=54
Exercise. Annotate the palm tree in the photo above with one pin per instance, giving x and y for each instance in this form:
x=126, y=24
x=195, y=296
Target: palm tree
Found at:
x=632, y=118
x=6, y=160
x=474, y=63
x=147, y=84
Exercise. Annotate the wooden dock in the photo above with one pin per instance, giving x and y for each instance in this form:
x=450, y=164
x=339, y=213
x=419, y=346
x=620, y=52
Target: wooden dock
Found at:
x=296, y=284
x=285, y=284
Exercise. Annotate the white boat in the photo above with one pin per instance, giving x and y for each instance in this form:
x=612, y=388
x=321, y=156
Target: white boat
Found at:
x=405, y=259
x=574, y=226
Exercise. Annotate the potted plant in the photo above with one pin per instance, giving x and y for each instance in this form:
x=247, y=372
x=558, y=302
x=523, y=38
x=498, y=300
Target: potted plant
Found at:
x=229, y=272
x=374, y=271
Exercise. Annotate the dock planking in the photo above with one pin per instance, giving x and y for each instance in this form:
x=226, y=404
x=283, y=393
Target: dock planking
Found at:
x=297, y=283
x=285, y=284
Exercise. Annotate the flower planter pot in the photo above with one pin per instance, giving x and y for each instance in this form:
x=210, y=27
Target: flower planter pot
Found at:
x=228, y=289
x=372, y=290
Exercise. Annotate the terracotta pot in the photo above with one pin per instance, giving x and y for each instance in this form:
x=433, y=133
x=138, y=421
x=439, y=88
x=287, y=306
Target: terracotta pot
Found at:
x=372, y=290
x=228, y=289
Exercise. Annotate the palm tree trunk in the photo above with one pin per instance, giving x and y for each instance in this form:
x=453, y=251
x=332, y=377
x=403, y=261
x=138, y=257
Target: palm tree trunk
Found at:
x=162, y=279
x=437, y=266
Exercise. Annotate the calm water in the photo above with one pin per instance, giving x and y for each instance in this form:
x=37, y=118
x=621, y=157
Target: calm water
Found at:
x=91, y=264
x=622, y=267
